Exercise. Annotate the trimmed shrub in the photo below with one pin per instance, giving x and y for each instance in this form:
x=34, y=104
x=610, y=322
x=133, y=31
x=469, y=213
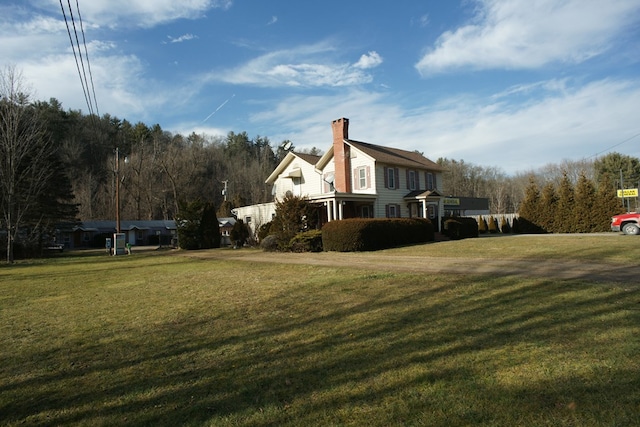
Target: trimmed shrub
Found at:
x=269, y=243
x=493, y=225
x=504, y=226
x=482, y=226
x=460, y=227
x=362, y=234
x=307, y=241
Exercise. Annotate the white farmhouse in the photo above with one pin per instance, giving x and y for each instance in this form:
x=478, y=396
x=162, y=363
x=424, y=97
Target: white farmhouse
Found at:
x=355, y=179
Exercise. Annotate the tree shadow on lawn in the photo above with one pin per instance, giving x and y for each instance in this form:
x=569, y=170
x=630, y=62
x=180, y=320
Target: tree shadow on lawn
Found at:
x=412, y=353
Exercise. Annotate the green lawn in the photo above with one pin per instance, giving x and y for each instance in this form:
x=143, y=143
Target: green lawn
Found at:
x=160, y=338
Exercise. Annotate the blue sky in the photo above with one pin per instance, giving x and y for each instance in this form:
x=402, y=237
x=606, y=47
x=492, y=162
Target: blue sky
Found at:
x=515, y=84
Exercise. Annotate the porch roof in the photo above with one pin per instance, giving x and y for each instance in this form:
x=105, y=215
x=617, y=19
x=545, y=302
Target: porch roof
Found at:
x=422, y=194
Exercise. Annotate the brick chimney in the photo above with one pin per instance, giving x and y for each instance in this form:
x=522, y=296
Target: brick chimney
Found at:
x=341, y=155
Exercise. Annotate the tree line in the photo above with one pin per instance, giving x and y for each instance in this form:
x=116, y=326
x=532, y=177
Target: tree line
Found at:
x=507, y=193
x=58, y=165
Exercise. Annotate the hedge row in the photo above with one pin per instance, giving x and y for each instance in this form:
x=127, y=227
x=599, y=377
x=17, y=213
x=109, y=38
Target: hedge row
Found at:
x=351, y=235
x=460, y=228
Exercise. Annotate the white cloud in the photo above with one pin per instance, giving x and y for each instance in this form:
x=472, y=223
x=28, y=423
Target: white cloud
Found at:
x=182, y=38
x=370, y=60
x=516, y=34
x=303, y=66
x=274, y=19
x=142, y=13
x=565, y=123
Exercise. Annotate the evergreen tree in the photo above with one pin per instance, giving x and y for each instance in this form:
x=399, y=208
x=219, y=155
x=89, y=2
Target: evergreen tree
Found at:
x=239, y=234
x=584, y=213
x=548, y=202
x=564, y=215
x=293, y=215
x=492, y=227
x=529, y=211
x=607, y=204
x=209, y=227
x=188, y=224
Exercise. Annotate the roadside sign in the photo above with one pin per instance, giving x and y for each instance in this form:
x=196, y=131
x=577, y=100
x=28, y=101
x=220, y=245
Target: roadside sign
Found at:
x=628, y=192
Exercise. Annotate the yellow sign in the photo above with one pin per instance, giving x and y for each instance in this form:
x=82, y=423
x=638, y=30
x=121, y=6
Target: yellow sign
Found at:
x=630, y=192
x=451, y=201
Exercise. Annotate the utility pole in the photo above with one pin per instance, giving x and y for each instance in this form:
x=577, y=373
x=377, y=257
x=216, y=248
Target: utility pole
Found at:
x=117, y=172
x=224, y=191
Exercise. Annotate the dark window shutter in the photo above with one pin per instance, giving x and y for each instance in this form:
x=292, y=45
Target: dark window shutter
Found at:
x=386, y=177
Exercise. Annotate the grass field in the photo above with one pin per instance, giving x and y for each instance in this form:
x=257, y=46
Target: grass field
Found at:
x=165, y=338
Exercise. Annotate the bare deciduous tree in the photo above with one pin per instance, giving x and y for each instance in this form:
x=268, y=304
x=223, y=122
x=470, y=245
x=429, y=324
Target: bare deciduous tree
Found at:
x=25, y=150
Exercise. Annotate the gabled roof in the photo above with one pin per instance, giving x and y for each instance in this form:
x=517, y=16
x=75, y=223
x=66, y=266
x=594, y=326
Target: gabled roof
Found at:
x=395, y=156
x=290, y=157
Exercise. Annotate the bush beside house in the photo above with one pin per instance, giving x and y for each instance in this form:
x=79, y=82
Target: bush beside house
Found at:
x=358, y=234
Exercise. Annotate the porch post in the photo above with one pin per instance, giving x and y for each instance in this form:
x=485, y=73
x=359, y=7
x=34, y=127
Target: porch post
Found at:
x=335, y=213
x=329, y=217
x=340, y=216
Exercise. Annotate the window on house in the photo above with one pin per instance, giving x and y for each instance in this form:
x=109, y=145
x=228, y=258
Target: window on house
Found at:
x=412, y=180
x=365, y=212
x=391, y=177
x=362, y=178
x=393, y=211
x=429, y=179
x=247, y=220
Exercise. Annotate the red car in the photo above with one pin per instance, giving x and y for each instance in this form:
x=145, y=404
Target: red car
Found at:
x=628, y=223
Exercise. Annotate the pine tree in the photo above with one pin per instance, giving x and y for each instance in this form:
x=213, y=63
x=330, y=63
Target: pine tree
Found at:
x=209, y=227
x=585, y=198
x=607, y=204
x=548, y=205
x=564, y=215
x=529, y=212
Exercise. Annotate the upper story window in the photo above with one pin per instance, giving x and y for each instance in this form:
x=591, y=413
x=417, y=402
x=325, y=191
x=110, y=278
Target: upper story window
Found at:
x=361, y=178
x=412, y=183
x=391, y=178
x=430, y=181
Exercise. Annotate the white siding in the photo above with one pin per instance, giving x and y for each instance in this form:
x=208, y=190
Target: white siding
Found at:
x=259, y=214
x=359, y=161
x=310, y=183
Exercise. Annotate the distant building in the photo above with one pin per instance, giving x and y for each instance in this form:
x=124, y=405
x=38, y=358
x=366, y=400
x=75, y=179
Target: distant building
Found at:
x=465, y=206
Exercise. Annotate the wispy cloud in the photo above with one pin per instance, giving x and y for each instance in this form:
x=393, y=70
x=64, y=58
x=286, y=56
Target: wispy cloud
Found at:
x=557, y=121
x=144, y=13
x=302, y=66
x=513, y=34
x=180, y=39
x=421, y=21
x=274, y=19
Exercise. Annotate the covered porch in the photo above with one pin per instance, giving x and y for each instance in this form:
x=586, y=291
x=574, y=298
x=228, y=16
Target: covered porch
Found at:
x=343, y=206
x=426, y=204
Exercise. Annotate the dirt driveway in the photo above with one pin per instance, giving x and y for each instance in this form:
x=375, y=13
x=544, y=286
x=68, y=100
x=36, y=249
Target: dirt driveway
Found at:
x=375, y=261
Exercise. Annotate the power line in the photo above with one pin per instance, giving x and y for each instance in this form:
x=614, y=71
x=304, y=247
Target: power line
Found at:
x=84, y=82
x=615, y=145
x=86, y=53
